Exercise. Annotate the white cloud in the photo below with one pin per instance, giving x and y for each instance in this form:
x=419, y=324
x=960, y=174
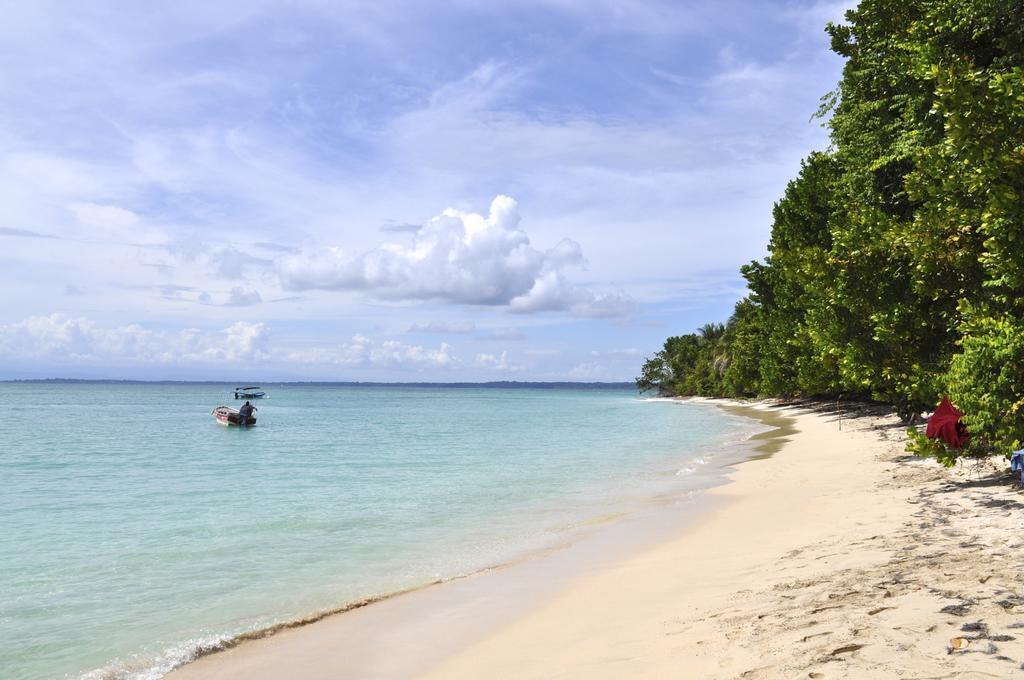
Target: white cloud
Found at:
x=494, y=362
x=551, y=292
x=59, y=339
x=364, y=351
x=231, y=263
x=589, y=371
x=105, y=217
x=246, y=341
x=126, y=201
x=242, y=297
x=65, y=339
x=459, y=257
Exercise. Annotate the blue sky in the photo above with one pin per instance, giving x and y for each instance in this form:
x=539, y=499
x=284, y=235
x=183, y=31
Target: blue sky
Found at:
x=533, y=190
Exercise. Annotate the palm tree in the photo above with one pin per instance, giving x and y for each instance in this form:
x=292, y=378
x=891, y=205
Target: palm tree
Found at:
x=711, y=333
x=712, y=336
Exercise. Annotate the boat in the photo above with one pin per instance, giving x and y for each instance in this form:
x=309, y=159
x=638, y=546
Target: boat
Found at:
x=226, y=415
x=252, y=392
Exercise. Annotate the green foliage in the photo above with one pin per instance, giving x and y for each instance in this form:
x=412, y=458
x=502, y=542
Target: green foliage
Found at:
x=987, y=382
x=794, y=280
x=744, y=339
x=896, y=259
x=654, y=374
x=920, y=445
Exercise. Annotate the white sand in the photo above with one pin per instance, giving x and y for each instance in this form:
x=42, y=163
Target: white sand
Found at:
x=836, y=557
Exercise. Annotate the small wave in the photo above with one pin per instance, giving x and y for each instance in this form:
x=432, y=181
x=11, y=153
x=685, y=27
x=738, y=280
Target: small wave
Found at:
x=167, y=661
x=695, y=464
x=194, y=649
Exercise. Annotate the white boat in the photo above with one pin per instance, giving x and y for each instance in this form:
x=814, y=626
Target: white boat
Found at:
x=251, y=392
x=226, y=415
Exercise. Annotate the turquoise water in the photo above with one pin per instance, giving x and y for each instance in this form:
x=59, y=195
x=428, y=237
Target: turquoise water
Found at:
x=136, y=530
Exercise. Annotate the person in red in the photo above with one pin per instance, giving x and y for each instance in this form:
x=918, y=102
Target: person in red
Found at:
x=945, y=425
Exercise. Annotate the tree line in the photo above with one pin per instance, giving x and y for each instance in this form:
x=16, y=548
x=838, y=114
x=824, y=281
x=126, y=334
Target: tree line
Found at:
x=896, y=260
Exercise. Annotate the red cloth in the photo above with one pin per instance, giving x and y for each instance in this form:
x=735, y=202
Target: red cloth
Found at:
x=945, y=425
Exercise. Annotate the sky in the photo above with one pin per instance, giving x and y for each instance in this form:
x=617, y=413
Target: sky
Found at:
x=390, y=191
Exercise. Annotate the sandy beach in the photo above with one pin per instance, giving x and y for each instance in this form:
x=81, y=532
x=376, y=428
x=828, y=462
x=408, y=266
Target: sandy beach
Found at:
x=836, y=556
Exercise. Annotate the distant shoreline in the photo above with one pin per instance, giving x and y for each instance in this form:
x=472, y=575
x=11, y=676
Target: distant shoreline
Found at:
x=508, y=384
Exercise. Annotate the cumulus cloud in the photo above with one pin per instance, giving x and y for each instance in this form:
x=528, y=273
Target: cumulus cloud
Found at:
x=59, y=337
x=605, y=365
x=497, y=362
x=246, y=341
x=552, y=292
x=231, y=263
x=364, y=351
x=589, y=371
x=173, y=292
x=463, y=258
x=242, y=297
x=684, y=181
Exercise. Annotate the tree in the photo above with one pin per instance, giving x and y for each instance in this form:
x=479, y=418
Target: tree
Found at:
x=896, y=260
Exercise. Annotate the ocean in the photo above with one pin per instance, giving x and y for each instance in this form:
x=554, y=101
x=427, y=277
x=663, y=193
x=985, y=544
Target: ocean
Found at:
x=136, y=531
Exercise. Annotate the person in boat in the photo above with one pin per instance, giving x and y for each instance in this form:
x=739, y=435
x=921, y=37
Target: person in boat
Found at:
x=245, y=413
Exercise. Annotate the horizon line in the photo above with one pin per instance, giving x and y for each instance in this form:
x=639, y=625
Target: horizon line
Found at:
x=364, y=383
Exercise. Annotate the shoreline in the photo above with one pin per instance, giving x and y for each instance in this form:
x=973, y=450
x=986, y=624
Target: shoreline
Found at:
x=586, y=547
x=836, y=556
x=840, y=557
